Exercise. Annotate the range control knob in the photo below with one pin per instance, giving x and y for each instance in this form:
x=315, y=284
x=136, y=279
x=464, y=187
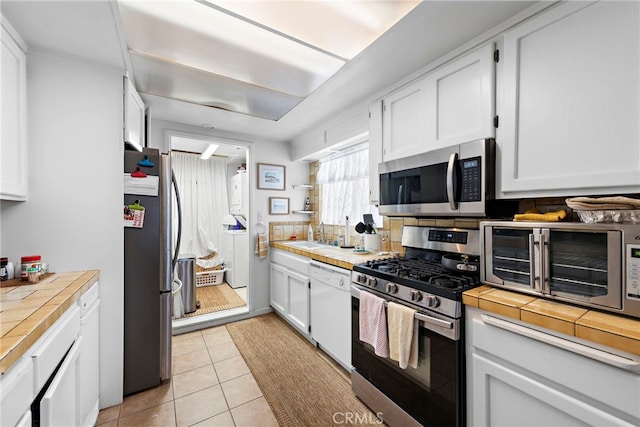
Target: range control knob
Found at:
x=373, y=282
x=361, y=278
x=415, y=296
x=392, y=288
x=432, y=301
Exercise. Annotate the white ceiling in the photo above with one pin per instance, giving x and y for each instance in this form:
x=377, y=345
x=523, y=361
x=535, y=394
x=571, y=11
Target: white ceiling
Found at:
x=93, y=30
x=258, y=57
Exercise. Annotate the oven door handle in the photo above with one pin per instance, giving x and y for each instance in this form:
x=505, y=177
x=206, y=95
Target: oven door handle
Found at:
x=434, y=321
x=573, y=347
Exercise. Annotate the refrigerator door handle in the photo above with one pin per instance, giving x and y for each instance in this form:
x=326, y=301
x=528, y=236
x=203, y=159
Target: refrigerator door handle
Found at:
x=174, y=182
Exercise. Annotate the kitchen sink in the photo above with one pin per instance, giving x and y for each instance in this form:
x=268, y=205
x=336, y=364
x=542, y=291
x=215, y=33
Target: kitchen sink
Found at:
x=304, y=244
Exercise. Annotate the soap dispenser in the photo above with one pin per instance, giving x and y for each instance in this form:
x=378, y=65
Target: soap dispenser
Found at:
x=310, y=234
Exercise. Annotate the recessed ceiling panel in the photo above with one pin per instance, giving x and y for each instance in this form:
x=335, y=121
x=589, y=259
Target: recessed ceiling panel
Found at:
x=201, y=37
x=343, y=27
x=171, y=80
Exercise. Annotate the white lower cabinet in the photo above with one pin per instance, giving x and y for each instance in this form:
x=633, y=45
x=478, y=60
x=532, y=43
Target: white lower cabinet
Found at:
x=26, y=420
x=520, y=376
x=289, y=288
x=59, y=405
x=89, y=359
x=16, y=393
x=56, y=381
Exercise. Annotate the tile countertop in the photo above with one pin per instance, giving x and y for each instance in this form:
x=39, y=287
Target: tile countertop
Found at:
x=28, y=310
x=604, y=328
x=334, y=255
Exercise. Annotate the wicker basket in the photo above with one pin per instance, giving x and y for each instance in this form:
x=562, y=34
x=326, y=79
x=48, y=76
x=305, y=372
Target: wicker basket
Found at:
x=209, y=278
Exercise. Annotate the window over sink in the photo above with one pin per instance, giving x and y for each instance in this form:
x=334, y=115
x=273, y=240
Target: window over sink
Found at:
x=344, y=178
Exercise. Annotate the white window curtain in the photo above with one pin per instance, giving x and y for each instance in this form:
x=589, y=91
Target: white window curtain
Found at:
x=205, y=201
x=345, y=188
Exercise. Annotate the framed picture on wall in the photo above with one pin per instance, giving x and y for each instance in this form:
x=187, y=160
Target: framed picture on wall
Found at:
x=271, y=177
x=278, y=205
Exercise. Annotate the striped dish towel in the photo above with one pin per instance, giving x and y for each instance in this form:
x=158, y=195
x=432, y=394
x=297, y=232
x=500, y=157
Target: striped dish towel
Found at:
x=373, y=323
x=261, y=245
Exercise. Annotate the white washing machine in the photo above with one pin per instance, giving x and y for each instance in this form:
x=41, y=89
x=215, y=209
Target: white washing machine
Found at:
x=235, y=252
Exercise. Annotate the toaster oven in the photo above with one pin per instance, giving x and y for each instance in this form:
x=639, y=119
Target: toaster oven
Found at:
x=593, y=265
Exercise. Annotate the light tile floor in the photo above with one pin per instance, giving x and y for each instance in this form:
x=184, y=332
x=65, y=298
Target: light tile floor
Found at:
x=211, y=386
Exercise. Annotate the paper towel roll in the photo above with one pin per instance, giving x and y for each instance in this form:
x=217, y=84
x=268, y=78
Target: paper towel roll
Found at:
x=371, y=242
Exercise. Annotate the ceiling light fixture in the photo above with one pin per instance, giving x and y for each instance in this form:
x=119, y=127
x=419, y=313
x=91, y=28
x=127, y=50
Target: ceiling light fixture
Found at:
x=209, y=151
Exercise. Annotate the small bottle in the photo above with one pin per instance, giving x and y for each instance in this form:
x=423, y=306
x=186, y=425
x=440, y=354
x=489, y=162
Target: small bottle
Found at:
x=10, y=270
x=307, y=204
x=4, y=274
x=310, y=234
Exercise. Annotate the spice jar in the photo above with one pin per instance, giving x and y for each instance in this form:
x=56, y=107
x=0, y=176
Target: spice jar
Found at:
x=30, y=262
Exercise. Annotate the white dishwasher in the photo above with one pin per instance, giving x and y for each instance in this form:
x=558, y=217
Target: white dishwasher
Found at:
x=330, y=305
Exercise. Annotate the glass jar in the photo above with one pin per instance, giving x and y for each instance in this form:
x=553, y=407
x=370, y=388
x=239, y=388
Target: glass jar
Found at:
x=29, y=262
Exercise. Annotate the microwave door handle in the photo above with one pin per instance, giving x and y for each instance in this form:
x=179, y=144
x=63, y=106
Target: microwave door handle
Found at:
x=545, y=264
x=533, y=271
x=453, y=204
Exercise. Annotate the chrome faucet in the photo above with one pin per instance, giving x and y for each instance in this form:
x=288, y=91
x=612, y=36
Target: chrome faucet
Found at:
x=321, y=236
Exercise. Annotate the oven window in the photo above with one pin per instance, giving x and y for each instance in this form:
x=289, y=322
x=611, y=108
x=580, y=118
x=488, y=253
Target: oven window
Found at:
x=432, y=393
x=510, y=255
x=578, y=263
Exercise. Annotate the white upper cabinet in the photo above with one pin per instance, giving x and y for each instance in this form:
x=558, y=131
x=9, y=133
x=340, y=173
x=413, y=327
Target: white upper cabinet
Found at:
x=464, y=99
x=375, y=150
x=451, y=105
x=405, y=121
x=569, y=119
x=13, y=147
x=134, y=115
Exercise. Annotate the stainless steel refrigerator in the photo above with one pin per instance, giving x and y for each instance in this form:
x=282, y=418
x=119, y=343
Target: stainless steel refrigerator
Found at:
x=149, y=260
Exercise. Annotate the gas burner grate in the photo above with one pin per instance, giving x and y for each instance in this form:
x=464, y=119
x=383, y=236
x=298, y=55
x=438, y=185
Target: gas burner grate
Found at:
x=419, y=270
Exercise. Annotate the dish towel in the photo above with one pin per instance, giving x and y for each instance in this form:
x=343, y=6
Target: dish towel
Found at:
x=601, y=203
x=261, y=245
x=403, y=335
x=373, y=323
x=535, y=215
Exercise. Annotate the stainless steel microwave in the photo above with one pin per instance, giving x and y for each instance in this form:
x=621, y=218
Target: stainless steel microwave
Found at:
x=454, y=181
x=592, y=265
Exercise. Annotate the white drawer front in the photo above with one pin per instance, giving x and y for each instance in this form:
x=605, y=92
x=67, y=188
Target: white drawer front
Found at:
x=51, y=347
x=16, y=392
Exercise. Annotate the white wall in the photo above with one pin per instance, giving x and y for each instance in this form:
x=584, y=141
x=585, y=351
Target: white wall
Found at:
x=297, y=172
x=73, y=216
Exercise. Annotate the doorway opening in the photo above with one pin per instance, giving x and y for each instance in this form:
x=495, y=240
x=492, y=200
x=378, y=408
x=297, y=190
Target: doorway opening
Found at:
x=212, y=175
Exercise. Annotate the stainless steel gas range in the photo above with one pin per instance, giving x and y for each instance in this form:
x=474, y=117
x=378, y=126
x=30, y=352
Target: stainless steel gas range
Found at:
x=438, y=266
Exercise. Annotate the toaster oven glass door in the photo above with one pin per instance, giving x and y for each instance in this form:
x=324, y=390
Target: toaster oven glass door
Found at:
x=511, y=257
x=584, y=265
